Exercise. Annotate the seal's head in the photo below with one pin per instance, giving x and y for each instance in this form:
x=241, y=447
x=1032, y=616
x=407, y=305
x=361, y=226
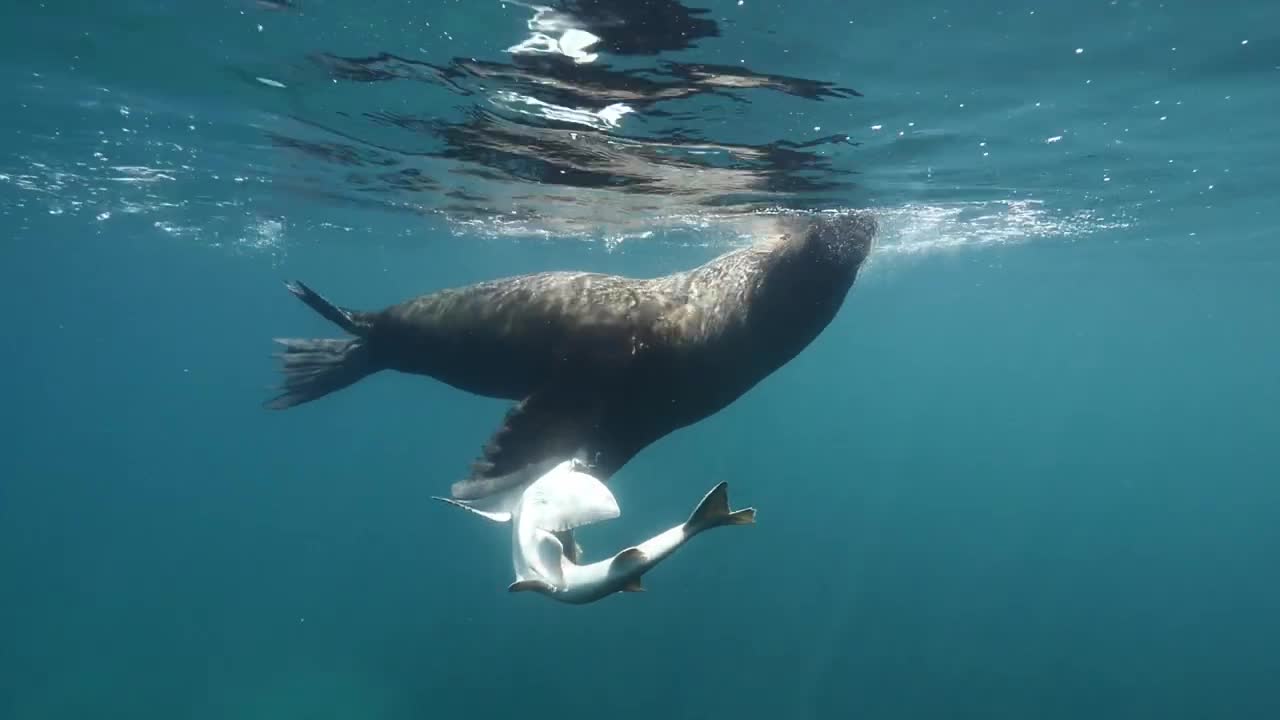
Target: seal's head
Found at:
x=815, y=263
x=843, y=239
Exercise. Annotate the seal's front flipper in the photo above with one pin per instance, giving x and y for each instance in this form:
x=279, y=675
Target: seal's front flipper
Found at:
x=604, y=430
x=554, y=423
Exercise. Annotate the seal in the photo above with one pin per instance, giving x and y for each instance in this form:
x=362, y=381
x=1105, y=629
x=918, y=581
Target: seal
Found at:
x=600, y=366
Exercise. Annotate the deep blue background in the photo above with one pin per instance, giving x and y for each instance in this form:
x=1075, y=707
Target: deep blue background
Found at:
x=1012, y=479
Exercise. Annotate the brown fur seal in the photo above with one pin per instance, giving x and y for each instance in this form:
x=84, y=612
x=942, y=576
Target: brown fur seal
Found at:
x=601, y=365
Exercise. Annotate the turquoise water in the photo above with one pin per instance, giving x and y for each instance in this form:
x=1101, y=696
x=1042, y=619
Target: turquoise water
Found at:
x=1029, y=471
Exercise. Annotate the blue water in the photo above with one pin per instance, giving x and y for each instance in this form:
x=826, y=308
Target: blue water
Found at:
x=1029, y=471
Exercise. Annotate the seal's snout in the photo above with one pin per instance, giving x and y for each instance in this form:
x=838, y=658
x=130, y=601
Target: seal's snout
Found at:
x=852, y=234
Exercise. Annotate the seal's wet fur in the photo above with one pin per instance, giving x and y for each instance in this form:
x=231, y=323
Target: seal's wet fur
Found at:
x=598, y=363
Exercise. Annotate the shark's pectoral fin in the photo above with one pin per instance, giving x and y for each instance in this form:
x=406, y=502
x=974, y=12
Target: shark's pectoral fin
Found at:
x=530, y=585
x=566, y=498
x=633, y=585
x=500, y=516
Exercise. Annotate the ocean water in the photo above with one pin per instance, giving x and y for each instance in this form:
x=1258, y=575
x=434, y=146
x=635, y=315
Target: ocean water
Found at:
x=1030, y=470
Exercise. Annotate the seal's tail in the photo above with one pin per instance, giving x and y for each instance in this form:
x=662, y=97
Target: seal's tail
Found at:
x=714, y=511
x=314, y=368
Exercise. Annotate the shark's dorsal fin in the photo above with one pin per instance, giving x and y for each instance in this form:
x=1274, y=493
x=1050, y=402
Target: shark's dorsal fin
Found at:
x=627, y=560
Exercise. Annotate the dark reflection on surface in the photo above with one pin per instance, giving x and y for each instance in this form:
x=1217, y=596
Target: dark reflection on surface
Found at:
x=561, y=81
x=728, y=76
x=554, y=135
x=641, y=27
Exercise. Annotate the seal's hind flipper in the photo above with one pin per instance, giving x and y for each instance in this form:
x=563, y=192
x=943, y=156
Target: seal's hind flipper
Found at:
x=551, y=424
x=313, y=368
x=354, y=322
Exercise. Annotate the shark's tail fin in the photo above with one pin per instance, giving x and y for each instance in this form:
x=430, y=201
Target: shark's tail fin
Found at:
x=315, y=368
x=714, y=511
